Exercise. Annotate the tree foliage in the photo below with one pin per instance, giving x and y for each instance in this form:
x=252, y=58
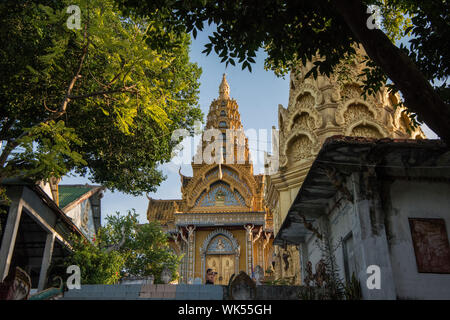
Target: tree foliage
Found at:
x=97, y=266
x=146, y=246
x=296, y=31
x=101, y=101
x=121, y=248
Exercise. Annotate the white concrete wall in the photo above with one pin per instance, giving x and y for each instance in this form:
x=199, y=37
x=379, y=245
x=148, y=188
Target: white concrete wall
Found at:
x=77, y=216
x=45, y=186
x=396, y=256
x=369, y=248
x=314, y=254
x=342, y=222
x=411, y=199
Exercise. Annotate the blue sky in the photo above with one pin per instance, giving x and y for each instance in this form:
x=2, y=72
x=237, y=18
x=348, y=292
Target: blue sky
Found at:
x=257, y=93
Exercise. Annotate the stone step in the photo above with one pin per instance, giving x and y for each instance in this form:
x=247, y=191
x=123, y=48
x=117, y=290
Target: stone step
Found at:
x=146, y=292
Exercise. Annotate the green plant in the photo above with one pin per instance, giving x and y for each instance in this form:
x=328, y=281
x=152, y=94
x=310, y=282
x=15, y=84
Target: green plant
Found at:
x=352, y=289
x=327, y=284
x=145, y=246
x=277, y=282
x=101, y=101
x=329, y=269
x=97, y=266
x=123, y=247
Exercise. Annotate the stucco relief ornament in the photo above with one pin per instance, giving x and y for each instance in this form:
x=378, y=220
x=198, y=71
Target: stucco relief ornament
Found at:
x=301, y=148
x=182, y=236
x=258, y=275
x=351, y=91
x=249, y=228
x=166, y=275
x=237, y=251
x=190, y=230
x=258, y=235
x=267, y=239
x=220, y=245
x=332, y=95
x=175, y=240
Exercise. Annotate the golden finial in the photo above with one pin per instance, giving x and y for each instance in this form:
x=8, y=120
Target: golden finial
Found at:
x=224, y=88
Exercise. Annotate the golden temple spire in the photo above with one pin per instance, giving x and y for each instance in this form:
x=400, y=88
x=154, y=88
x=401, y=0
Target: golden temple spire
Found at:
x=224, y=89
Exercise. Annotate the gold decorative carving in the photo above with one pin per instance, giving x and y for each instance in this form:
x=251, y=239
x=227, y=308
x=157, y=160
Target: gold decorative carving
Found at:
x=300, y=148
x=357, y=111
x=319, y=108
x=366, y=131
x=355, y=108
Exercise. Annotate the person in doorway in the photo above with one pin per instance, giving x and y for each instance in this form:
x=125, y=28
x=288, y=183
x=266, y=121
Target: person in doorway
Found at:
x=210, y=276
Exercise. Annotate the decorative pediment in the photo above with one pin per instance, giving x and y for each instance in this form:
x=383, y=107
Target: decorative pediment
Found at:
x=355, y=108
x=300, y=144
x=220, y=194
x=219, y=241
x=303, y=90
x=220, y=245
x=237, y=180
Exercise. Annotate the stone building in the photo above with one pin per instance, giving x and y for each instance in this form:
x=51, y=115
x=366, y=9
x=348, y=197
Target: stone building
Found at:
x=376, y=208
x=82, y=204
x=320, y=108
x=220, y=222
x=39, y=221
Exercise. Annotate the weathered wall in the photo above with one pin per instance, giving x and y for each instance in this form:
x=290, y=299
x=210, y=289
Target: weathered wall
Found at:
x=83, y=217
x=410, y=199
x=342, y=221
x=388, y=244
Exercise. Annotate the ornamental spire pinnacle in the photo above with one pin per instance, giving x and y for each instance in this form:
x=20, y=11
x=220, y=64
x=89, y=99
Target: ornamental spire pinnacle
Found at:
x=224, y=89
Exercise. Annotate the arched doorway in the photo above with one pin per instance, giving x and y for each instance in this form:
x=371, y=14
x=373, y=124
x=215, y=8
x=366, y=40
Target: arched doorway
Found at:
x=220, y=252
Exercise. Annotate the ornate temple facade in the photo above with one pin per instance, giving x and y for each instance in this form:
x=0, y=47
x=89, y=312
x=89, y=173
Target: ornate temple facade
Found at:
x=221, y=221
x=320, y=108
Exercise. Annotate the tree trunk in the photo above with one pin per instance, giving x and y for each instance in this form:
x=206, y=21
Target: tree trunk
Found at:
x=419, y=95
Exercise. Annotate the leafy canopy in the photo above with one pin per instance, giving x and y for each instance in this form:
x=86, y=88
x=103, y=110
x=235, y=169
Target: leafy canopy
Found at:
x=293, y=32
x=100, y=101
x=123, y=247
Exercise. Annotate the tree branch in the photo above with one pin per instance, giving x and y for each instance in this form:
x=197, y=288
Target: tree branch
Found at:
x=418, y=93
x=10, y=146
x=99, y=93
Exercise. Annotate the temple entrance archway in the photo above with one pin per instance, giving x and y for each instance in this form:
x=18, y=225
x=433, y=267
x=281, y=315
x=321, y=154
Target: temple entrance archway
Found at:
x=220, y=252
x=223, y=265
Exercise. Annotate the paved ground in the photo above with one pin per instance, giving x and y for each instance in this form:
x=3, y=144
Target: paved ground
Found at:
x=145, y=292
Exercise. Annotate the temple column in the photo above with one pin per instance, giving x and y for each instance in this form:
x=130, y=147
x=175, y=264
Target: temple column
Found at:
x=191, y=253
x=256, y=244
x=46, y=259
x=265, y=243
x=303, y=261
x=9, y=237
x=369, y=232
x=249, y=248
x=185, y=261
